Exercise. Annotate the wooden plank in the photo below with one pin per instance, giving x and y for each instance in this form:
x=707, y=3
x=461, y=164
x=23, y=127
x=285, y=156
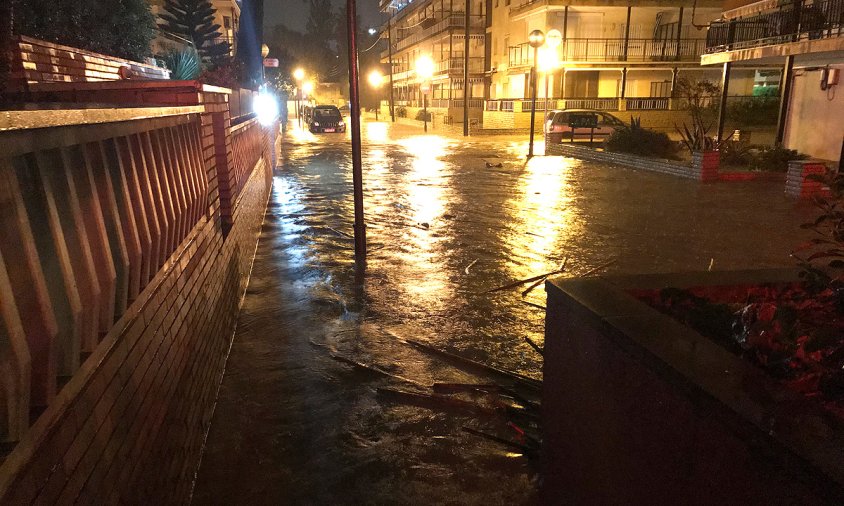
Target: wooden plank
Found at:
x=145, y=192
x=56, y=175
x=15, y=363
x=157, y=197
x=164, y=186
x=27, y=281
x=131, y=161
x=89, y=203
x=39, y=199
x=114, y=163
x=94, y=159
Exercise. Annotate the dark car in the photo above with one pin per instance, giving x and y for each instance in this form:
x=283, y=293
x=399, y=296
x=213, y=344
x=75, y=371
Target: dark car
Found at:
x=571, y=124
x=326, y=118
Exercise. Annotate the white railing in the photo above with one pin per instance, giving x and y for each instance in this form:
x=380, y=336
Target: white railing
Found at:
x=648, y=104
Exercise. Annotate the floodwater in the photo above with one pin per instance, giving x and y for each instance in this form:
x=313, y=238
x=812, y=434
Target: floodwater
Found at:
x=447, y=220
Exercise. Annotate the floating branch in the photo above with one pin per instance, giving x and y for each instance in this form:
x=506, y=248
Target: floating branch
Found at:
x=532, y=304
x=466, y=270
x=520, y=378
x=534, y=346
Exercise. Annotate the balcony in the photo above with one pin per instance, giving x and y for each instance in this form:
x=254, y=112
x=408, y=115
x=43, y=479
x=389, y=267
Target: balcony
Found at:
x=806, y=20
x=612, y=50
x=454, y=66
x=457, y=21
x=598, y=104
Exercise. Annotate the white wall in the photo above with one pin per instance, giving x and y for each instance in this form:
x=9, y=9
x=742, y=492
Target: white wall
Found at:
x=816, y=118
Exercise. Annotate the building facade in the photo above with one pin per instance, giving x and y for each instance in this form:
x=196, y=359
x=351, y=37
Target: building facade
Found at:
x=806, y=39
x=612, y=55
x=436, y=29
x=226, y=14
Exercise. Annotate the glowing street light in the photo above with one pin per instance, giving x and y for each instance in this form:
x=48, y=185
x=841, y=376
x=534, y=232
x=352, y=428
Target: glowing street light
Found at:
x=376, y=80
x=424, y=71
x=308, y=88
x=535, y=39
x=298, y=75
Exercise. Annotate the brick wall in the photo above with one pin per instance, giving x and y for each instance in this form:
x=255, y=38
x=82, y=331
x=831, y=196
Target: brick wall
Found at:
x=685, y=170
x=129, y=424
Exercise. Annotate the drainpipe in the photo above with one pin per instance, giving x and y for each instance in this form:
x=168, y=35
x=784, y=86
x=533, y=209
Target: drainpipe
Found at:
x=627, y=33
x=722, y=105
x=785, y=97
x=679, y=37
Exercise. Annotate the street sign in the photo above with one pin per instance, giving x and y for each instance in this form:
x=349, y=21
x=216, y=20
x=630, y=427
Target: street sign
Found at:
x=271, y=62
x=425, y=87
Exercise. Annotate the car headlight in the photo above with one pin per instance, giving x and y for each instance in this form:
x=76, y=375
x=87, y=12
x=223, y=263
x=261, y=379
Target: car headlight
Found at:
x=341, y=124
x=316, y=123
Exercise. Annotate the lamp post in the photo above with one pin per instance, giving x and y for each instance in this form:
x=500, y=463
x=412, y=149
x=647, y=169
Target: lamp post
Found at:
x=535, y=39
x=424, y=71
x=265, y=50
x=298, y=75
x=376, y=80
x=307, y=92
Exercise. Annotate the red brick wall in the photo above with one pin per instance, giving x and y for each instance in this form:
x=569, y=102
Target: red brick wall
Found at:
x=129, y=426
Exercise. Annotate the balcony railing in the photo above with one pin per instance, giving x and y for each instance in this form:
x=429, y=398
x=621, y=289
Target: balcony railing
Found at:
x=613, y=50
x=806, y=20
x=600, y=104
x=455, y=66
x=421, y=34
x=474, y=103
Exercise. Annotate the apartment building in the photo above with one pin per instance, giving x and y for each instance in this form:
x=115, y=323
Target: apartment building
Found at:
x=806, y=39
x=227, y=15
x=436, y=29
x=614, y=55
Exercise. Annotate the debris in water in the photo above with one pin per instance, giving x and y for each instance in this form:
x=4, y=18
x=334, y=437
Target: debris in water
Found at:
x=534, y=346
x=466, y=270
x=532, y=304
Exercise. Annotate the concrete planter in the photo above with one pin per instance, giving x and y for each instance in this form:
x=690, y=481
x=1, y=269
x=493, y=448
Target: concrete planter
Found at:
x=705, y=165
x=701, y=168
x=798, y=182
x=640, y=409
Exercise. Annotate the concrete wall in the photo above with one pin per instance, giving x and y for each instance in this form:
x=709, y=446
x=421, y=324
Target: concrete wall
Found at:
x=128, y=427
x=816, y=118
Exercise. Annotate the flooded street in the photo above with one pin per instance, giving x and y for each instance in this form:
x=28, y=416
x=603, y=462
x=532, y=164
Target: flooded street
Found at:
x=448, y=219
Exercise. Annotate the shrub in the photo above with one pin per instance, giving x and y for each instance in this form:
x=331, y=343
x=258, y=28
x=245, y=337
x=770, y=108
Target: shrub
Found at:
x=776, y=158
x=636, y=140
x=228, y=74
x=756, y=111
x=121, y=28
x=421, y=116
x=738, y=153
x=401, y=112
x=183, y=65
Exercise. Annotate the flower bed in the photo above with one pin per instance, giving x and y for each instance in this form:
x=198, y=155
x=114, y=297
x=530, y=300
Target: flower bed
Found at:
x=640, y=408
x=795, y=334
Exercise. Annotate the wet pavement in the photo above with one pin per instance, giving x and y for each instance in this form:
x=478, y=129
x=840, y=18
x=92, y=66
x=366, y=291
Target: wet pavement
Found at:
x=445, y=223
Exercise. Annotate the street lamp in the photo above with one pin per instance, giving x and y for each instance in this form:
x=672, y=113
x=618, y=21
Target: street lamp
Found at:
x=376, y=80
x=535, y=39
x=265, y=50
x=298, y=75
x=424, y=71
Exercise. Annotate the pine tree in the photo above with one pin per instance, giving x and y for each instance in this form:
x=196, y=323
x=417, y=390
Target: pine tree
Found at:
x=194, y=21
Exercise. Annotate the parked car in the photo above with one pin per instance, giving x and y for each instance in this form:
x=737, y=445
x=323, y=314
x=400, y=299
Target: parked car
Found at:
x=326, y=118
x=569, y=124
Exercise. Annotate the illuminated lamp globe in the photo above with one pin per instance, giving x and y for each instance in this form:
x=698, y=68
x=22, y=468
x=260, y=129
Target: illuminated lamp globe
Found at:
x=536, y=38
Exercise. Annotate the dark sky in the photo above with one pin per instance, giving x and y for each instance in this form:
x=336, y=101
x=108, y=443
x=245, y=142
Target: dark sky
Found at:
x=294, y=13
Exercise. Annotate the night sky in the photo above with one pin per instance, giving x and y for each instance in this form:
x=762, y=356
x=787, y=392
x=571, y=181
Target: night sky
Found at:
x=294, y=13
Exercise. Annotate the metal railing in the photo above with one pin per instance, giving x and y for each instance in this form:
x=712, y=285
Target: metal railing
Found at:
x=614, y=50
x=474, y=103
x=648, y=103
x=421, y=34
x=791, y=22
x=455, y=65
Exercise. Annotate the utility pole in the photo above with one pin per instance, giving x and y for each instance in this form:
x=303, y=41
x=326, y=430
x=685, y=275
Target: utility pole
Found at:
x=390, y=62
x=466, y=70
x=354, y=98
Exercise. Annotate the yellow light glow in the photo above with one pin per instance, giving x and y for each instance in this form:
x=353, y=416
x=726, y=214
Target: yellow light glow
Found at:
x=308, y=87
x=424, y=67
x=547, y=60
x=553, y=38
x=299, y=74
x=376, y=78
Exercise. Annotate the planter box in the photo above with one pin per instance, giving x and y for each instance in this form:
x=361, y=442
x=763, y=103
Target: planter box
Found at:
x=704, y=171
x=705, y=165
x=797, y=182
x=640, y=409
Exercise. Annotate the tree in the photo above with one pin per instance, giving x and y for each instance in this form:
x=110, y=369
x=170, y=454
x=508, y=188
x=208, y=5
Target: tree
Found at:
x=122, y=28
x=321, y=37
x=194, y=21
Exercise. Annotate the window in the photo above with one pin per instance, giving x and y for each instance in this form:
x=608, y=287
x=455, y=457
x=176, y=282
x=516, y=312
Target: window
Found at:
x=227, y=22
